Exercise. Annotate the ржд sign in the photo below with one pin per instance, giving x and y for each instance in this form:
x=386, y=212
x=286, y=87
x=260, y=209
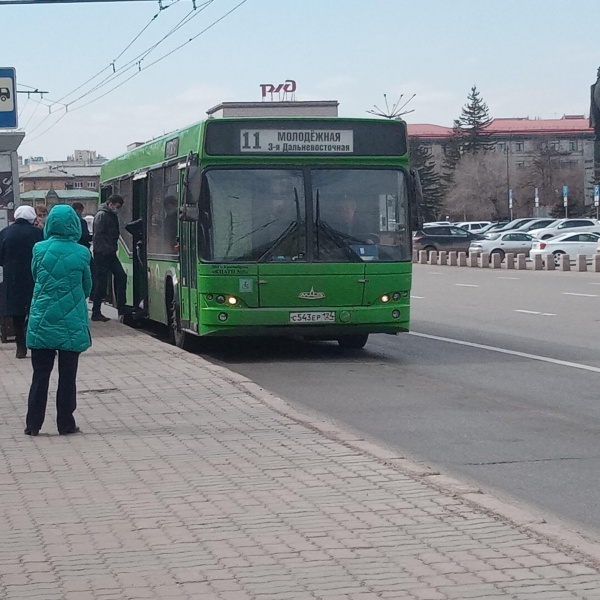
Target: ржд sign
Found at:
x=8, y=98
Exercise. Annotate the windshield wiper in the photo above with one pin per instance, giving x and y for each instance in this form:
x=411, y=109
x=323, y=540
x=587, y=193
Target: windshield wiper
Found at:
x=273, y=246
x=341, y=240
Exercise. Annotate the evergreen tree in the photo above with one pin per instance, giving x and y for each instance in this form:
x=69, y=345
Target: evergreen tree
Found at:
x=452, y=154
x=472, y=122
x=431, y=184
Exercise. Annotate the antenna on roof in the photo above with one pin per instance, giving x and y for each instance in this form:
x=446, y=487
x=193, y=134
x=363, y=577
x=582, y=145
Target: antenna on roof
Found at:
x=395, y=112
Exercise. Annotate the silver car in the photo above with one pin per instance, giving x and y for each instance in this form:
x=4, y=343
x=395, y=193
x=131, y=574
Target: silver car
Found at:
x=514, y=242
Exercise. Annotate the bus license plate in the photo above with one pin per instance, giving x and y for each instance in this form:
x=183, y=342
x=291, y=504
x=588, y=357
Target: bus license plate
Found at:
x=312, y=317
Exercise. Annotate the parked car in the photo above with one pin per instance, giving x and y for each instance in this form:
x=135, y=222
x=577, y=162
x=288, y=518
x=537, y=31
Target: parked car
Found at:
x=474, y=226
x=566, y=226
x=536, y=224
x=444, y=237
x=503, y=243
x=493, y=226
x=568, y=243
x=509, y=226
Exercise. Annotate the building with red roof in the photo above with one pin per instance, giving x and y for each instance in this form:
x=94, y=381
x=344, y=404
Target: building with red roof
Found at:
x=521, y=139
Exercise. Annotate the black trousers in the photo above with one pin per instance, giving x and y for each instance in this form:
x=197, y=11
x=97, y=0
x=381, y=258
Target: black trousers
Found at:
x=19, y=329
x=106, y=265
x=66, y=394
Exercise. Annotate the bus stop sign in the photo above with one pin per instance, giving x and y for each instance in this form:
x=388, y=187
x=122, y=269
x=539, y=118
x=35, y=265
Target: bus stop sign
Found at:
x=8, y=98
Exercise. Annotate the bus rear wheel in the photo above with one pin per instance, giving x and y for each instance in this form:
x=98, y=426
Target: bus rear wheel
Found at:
x=353, y=342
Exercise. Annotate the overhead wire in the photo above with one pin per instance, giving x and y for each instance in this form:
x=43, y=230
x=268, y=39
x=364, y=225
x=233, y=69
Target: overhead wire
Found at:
x=108, y=67
x=137, y=61
x=134, y=61
x=162, y=57
x=129, y=66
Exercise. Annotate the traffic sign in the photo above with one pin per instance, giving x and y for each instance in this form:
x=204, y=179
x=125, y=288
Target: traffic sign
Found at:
x=565, y=195
x=510, y=199
x=537, y=198
x=8, y=98
x=596, y=195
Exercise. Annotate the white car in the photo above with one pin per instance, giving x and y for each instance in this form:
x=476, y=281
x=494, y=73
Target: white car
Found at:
x=566, y=226
x=474, y=226
x=514, y=242
x=572, y=244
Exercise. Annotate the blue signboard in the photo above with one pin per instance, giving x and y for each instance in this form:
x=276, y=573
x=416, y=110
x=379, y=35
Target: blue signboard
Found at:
x=8, y=98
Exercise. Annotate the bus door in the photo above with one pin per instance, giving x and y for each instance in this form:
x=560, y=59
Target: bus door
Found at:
x=188, y=258
x=137, y=228
x=188, y=243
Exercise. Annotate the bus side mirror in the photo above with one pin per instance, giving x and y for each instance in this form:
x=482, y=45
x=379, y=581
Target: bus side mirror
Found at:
x=417, y=195
x=189, y=213
x=416, y=182
x=191, y=180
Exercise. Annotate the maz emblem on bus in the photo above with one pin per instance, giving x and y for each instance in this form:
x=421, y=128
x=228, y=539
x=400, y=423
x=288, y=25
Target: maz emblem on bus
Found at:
x=312, y=295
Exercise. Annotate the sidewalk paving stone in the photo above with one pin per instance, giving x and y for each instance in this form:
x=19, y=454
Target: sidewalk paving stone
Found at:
x=189, y=482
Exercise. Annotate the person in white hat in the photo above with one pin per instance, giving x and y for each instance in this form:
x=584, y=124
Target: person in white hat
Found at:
x=16, y=249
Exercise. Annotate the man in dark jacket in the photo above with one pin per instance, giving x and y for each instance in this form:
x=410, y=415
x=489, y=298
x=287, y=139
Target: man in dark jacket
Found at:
x=16, y=247
x=86, y=238
x=106, y=263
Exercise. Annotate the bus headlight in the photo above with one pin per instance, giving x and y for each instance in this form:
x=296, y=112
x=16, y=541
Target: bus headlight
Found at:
x=385, y=298
x=222, y=316
x=232, y=300
x=220, y=299
x=396, y=314
x=396, y=296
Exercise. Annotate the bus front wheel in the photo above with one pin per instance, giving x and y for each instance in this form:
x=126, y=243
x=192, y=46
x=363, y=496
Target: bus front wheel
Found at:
x=177, y=336
x=353, y=342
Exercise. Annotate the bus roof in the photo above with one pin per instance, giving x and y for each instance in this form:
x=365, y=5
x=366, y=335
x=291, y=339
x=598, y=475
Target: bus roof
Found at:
x=178, y=144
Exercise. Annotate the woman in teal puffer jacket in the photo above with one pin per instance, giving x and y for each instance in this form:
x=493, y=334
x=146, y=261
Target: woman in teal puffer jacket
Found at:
x=58, y=319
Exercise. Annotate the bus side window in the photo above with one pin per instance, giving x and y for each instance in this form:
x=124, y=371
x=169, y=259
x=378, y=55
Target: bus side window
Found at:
x=162, y=211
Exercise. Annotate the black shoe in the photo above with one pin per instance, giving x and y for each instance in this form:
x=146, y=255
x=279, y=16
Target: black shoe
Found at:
x=68, y=431
x=33, y=432
x=21, y=353
x=100, y=317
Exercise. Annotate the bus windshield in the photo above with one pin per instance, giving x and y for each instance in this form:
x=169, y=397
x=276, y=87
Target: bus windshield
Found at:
x=314, y=215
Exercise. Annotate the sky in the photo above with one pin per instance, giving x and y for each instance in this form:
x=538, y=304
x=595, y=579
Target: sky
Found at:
x=528, y=58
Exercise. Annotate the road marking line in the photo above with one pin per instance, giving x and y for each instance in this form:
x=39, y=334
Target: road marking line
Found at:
x=516, y=278
x=554, y=361
x=418, y=297
x=534, y=312
x=576, y=294
x=466, y=285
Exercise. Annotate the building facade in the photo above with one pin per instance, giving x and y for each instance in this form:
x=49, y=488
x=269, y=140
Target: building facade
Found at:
x=568, y=142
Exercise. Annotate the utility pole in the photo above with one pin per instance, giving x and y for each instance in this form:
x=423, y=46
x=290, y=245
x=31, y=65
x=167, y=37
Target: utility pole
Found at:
x=508, y=190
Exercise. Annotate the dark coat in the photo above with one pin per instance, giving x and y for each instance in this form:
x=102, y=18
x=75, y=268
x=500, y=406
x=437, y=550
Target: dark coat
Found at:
x=86, y=238
x=106, y=231
x=16, y=249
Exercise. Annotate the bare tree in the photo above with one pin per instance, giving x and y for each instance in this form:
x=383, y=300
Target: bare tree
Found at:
x=479, y=190
x=550, y=170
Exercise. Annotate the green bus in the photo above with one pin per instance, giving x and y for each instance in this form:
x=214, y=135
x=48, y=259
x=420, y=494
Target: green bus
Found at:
x=261, y=226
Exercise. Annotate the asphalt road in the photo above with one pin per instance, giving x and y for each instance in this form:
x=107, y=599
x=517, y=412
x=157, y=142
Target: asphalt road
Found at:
x=498, y=383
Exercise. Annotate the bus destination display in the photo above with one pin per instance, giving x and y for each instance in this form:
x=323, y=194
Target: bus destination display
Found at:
x=284, y=137
x=284, y=141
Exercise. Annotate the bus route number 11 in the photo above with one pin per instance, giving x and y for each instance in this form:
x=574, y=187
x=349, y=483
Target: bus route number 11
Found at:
x=251, y=142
